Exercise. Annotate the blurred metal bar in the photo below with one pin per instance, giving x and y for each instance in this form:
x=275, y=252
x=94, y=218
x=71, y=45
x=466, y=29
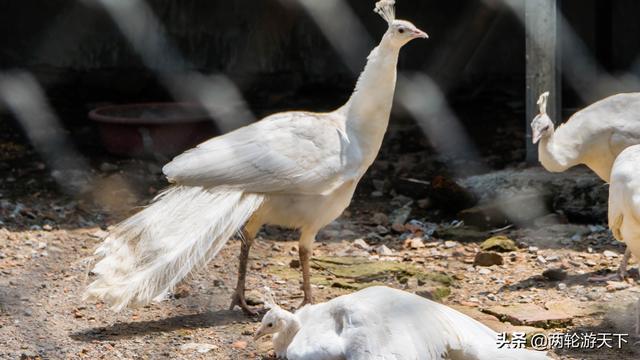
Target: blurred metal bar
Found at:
x=543, y=63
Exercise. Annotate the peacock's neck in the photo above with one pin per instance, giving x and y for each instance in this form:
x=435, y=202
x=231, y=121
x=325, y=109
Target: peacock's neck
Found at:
x=553, y=156
x=283, y=339
x=369, y=107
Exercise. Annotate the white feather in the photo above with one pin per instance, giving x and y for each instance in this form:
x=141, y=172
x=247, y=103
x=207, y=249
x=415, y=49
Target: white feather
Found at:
x=148, y=254
x=386, y=9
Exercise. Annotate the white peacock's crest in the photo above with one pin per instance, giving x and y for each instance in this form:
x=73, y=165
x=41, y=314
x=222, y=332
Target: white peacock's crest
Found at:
x=542, y=102
x=385, y=8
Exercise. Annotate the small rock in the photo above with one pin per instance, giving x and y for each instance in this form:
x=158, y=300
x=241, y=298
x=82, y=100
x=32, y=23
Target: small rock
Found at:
x=346, y=233
x=383, y=250
x=29, y=355
x=617, y=285
x=499, y=243
x=533, y=249
x=555, y=274
x=425, y=294
x=400, y=216
x=401, y=201
x=450, y=244
x=541, y=260
x=486, y=258
x=374, y=237
x=382, y=230
x=530, y=314
x=294, y=263
x=414, y=243
x=47, y=227
x=108, y=167
x=610, y=254
x=181, y=291
x=552, y=258
x=484, y=271
x=254, y=298
x=562, y=286
x=424, y=203
x=361, y=244
x=411, y=283
x=398, y=228
x=199, y=347
x=240, y=344
x=380, y=219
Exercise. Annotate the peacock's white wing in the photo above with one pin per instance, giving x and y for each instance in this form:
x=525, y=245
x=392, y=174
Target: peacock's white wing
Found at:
x=318, y=337
x=296, y=152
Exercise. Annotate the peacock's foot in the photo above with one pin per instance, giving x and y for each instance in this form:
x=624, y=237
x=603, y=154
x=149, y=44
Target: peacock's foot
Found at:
x=237, y=299
x=308, y=300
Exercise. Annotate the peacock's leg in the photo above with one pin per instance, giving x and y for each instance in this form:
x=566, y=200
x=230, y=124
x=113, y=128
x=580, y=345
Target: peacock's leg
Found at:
x=638, y=318
x=619, y=275
x=622, y=270
x=306, y=251
x=248, y=235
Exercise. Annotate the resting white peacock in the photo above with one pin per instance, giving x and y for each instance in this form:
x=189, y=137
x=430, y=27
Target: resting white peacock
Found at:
x=382, y=323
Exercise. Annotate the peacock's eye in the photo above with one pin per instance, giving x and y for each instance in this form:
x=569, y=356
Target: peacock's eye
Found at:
x=401, y=31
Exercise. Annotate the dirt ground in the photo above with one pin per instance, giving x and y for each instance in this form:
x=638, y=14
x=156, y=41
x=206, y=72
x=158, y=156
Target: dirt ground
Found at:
x=47, y=239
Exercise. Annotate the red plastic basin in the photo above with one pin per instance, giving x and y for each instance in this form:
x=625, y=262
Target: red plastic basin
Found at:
x=152, y=129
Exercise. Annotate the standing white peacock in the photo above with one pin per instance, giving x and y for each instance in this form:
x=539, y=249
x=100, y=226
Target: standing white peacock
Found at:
x=296, y=169
x=594, y=136
x=624, y=204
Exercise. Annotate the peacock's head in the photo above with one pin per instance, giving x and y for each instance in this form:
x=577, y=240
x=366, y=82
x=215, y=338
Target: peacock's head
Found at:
x=275, y=320
x=400, y=32
x=542, y=126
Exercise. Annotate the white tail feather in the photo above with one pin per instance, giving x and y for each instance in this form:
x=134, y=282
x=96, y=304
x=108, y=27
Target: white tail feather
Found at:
x=149, y=253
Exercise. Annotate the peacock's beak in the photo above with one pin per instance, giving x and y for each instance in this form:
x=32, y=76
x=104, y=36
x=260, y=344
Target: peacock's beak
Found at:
x=536, y=136
x=417, y=33
x=259, y=333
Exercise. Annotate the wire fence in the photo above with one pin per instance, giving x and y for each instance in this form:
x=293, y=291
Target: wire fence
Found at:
x=419, y=95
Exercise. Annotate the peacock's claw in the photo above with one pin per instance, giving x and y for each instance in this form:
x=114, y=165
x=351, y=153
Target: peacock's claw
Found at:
x=237, y=299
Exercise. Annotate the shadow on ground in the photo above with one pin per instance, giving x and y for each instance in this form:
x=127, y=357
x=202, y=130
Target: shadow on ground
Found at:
x=124, y=330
